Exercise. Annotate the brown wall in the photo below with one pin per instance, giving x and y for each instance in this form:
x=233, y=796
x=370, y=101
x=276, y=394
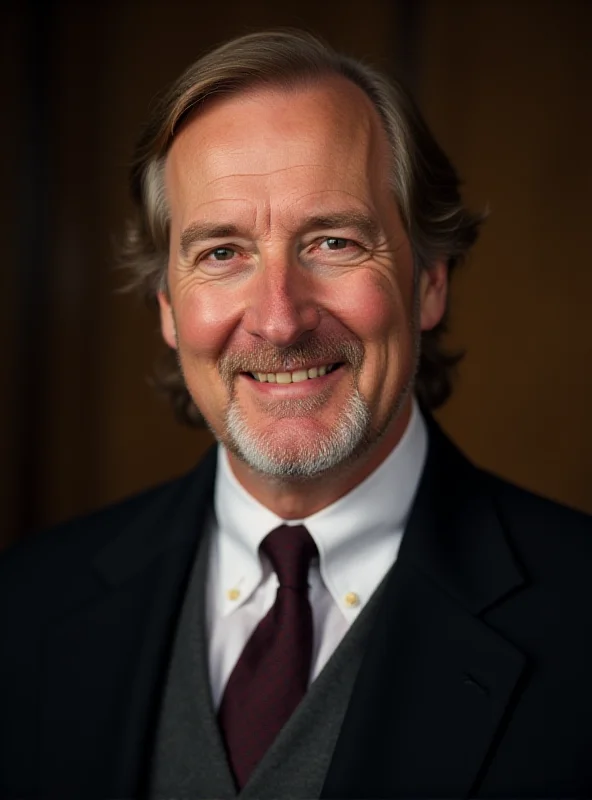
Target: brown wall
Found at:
x=505, y=89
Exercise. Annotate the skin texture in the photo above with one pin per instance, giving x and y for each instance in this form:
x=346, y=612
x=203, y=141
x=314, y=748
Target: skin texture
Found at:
x=283, y=283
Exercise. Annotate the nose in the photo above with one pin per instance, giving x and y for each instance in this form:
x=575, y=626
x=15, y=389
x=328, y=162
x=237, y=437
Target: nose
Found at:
x=281, y=305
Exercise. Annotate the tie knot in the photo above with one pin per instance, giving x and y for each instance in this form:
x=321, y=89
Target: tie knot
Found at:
x=290, y=549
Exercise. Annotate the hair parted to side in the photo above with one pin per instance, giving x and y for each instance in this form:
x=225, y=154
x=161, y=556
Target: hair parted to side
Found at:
x=424, y=182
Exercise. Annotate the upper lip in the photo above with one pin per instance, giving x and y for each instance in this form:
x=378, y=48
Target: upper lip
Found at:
x=297, y=368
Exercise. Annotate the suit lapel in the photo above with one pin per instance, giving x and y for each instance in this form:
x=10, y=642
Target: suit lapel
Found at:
x=436, y=683
x=107, y=654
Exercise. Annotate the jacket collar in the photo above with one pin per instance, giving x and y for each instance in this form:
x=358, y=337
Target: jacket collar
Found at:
x=455, y=536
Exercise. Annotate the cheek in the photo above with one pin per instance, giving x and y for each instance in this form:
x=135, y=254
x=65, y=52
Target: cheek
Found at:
x=379, y=312
x=376, y=309
x=204, y=321
x=204, y=324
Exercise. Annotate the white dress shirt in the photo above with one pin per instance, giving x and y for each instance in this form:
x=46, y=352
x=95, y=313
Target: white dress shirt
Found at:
x=358, y=538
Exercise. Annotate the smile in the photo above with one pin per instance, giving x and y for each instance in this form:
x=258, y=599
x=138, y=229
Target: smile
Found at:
x=284, y=385
x=296, y=376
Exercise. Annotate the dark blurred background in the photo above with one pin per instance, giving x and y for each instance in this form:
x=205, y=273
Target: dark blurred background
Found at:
x=506, y=87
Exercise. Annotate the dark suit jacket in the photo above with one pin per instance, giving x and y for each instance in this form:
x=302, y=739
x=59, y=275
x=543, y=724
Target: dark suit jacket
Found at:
x=477, y=680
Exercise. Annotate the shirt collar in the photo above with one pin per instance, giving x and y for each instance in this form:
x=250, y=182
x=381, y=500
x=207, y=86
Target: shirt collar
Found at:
x=358, y=536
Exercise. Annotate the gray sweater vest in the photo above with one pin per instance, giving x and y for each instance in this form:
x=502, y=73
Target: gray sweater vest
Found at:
x=189, y=760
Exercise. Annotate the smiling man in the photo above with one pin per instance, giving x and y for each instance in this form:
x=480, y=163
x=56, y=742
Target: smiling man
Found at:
x=287, y=255
x=335, y=602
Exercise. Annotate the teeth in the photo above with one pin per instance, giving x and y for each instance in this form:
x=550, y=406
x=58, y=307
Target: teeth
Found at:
x=292, y=377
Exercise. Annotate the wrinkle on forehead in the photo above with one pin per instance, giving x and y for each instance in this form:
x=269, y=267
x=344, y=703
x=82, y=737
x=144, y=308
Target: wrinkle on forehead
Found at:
x=245, y=216
x=278, y=147
x=261, y=174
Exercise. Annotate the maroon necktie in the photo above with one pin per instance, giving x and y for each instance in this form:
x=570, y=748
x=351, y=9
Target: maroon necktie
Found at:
x=271, y=676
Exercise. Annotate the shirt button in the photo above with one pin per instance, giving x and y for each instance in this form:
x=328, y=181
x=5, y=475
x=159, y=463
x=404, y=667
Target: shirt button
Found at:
x=352, y=600
x=233, y=594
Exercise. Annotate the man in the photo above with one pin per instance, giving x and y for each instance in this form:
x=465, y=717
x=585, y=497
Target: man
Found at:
x=335, y=602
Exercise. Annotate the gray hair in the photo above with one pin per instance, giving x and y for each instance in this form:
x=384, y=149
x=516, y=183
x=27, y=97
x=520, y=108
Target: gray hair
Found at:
x=425, y=184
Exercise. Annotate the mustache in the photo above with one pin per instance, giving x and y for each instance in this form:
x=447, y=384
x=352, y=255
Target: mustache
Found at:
x=270, y=359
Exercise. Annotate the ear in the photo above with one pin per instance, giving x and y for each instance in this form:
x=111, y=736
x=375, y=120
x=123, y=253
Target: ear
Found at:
x=167, y=320
x=433, y=294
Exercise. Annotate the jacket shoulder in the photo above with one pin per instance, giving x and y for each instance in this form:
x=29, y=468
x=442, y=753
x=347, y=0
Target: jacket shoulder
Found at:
x=41, y=560
x=546, y=534
x=527, y=505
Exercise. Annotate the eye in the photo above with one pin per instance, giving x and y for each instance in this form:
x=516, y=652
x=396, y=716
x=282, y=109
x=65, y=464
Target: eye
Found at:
x=222, y=254
x=337, y=243
x=334, y=251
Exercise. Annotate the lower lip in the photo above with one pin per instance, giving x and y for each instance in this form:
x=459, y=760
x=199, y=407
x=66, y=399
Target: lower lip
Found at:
x=301, y=389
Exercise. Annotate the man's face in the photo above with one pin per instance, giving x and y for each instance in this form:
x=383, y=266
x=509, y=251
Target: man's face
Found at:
x=287, y=254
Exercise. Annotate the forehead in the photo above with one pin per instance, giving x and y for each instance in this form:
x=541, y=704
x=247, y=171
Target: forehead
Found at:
x=322, y=137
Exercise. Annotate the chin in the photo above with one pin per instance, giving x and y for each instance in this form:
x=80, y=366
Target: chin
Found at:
x=291, y=450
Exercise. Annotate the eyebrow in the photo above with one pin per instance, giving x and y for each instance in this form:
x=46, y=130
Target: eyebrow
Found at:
x=364, y=223
x=201, y=231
